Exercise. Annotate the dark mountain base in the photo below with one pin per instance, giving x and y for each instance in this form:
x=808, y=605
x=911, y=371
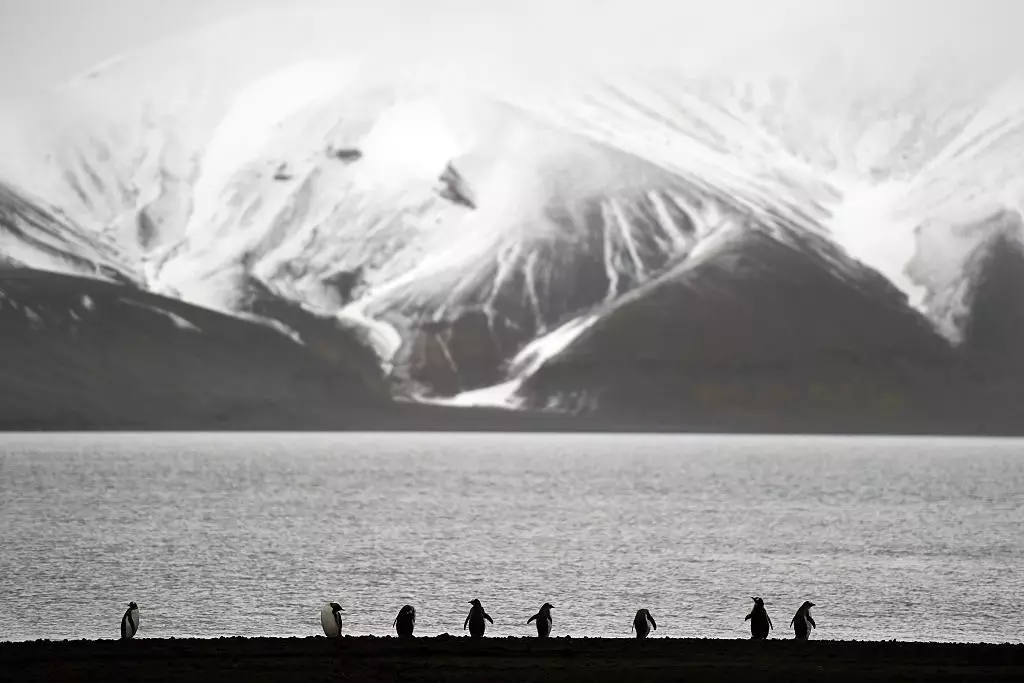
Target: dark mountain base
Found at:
x=447, y=658
x=841, y=398
x=764, y=338
x=77, y=353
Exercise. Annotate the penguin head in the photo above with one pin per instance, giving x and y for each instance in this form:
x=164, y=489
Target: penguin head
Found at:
x=807, y=605
x=758, y=602
x=336, y=607
x=475, y=602
x=132, y=605
x=547, y=606
x=408, y=609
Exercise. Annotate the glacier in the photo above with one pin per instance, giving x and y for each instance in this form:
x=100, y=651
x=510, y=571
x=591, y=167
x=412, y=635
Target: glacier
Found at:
x=286, y=168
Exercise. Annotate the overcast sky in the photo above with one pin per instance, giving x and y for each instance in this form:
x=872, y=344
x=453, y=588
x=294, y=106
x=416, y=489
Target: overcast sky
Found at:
x=47, y=41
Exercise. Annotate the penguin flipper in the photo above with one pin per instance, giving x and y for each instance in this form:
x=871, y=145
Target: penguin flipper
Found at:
x=531, y=618
x=793, y=620
x=488, y=617
x=747, y=618
x=770, y=625
x=811, y=619
x=466, y=621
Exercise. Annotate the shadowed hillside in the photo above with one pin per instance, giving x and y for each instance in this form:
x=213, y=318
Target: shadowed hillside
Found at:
x=78, y=353
x=760, y=337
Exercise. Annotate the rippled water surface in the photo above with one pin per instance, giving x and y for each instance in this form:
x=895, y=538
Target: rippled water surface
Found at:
x=217, y=535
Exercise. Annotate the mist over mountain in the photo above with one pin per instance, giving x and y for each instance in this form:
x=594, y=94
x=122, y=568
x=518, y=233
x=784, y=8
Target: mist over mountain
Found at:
x=718, y=243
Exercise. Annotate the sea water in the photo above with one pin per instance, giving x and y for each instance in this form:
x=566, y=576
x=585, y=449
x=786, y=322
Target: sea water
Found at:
x=250, y=534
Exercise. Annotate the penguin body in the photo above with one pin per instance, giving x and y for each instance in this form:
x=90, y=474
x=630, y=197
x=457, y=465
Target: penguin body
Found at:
x=130, y=622
x=803, y=622
x=760, y=622
x=330, y=619
x=475, y=619
x=643, y=623
x=405, y=622
x=543, y=619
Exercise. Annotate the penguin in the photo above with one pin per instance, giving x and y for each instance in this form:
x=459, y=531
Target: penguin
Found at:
x=803, y=622
x=475, y=619
x=643, y=624
x=405, y=622
x=760, y=622
x=330, y=619
x=130, y=622
x=543, y=618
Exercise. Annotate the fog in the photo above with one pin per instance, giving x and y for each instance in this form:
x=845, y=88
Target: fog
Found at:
x=43, y=42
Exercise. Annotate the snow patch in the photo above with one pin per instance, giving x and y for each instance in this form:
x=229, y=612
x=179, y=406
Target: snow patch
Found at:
x=177, y=320
x=502, y=395
x=525, y=364
x=383, y=337
x=867, y=225
x=34, y=318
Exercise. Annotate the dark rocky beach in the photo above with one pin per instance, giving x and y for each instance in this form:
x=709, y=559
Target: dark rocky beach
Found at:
x=448, y=658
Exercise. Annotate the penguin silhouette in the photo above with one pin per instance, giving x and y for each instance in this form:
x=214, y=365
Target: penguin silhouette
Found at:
x=760, y=622
x=543, y=618
x=643, y=623
x=130, y=622
x=475, y=619
x=405, y=622
x=803, y=622
x=330, y=619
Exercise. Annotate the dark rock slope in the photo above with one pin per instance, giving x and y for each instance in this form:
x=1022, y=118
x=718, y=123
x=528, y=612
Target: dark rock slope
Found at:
x=763, y=334
x=81, y=353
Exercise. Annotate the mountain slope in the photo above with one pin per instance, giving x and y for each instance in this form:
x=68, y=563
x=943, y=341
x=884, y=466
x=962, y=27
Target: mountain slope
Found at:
x=38, y=236
x=473, y=224
x=763, y=336
x=79, y=353
x=557, y=225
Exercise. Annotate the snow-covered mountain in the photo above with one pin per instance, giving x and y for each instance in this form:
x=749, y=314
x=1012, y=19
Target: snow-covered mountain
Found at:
x=479, y=221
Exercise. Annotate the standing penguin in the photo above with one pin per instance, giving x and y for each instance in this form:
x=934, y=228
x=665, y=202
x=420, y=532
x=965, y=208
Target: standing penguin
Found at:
x=760, y=622
x=405, y=622
x=475, y=619
x=543, y=618
x=802, y=621
x=130, y=622
x=330, y=619
x=643, y=623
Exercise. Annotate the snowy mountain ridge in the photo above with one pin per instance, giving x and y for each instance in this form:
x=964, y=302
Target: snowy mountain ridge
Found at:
x=474, y=217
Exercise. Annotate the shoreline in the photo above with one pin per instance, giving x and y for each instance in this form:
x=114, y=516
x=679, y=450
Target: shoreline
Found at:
x=458, y=658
